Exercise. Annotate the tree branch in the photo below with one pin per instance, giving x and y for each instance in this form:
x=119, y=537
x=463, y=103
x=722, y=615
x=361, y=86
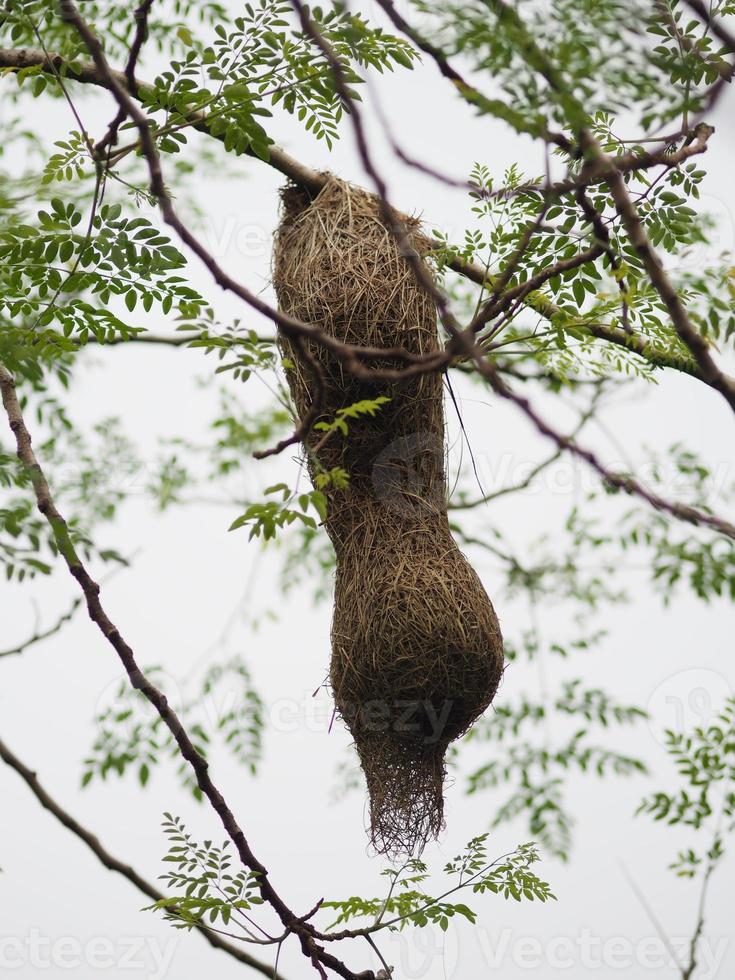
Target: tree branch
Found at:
x=303, y=425
x=469, y=93
x=390, y=216
x=584, y=418
x=114, y=864
x=88, y=73
x=611, y=170
x=39, y=635
x=314, y=181
x=115, y=82
x=617, y=481
x=463, y=341
x=141, y=35
x=91, y=590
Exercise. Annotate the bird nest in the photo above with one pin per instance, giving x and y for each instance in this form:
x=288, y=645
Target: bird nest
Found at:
x=416, y=647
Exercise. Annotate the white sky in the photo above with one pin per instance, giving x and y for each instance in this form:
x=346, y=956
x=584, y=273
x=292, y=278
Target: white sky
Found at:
x=190, y=574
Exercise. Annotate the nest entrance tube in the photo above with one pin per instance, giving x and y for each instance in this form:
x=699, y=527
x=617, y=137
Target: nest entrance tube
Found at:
x=417, y=653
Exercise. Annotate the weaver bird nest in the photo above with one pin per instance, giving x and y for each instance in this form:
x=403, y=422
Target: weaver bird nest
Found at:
x=416, y=647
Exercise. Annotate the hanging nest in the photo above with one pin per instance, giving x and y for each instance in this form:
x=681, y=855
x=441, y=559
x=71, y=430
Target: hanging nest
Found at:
x=416, y=647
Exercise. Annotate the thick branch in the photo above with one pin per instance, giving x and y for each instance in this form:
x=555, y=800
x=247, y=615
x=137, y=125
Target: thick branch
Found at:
x=114, y=864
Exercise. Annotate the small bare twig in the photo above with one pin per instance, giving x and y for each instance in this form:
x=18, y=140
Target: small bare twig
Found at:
x=38, y=635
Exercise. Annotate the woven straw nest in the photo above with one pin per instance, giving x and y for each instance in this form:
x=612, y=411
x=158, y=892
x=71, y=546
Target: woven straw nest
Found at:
x=416, y=647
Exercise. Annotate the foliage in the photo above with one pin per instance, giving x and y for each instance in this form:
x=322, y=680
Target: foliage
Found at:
x=705, y=761
x=204, y=884
x=267, y=518
x=612, y=56
x=406, y=904
x=260, y=61
x=83, y=467
x=226, y=709
x=209, y=889
x=358, y=410
x=49, y=268
x=703, y=803
x=251, y=353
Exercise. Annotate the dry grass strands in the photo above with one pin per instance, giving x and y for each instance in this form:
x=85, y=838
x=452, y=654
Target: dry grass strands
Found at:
x=416, y=647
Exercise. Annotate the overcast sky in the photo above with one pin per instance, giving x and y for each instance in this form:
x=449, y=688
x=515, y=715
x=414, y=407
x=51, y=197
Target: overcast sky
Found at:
x=189, y=576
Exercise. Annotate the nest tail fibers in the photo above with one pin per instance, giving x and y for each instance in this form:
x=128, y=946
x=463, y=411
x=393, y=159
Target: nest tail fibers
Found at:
x=417, y=653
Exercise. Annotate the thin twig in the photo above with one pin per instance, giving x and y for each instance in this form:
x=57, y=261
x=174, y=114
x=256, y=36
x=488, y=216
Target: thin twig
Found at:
x=617, y=481
x=39, y=635
x=655, y=922
x=388, y=970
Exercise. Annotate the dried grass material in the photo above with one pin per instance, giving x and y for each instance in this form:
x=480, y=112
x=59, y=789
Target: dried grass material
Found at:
x=416, y=646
